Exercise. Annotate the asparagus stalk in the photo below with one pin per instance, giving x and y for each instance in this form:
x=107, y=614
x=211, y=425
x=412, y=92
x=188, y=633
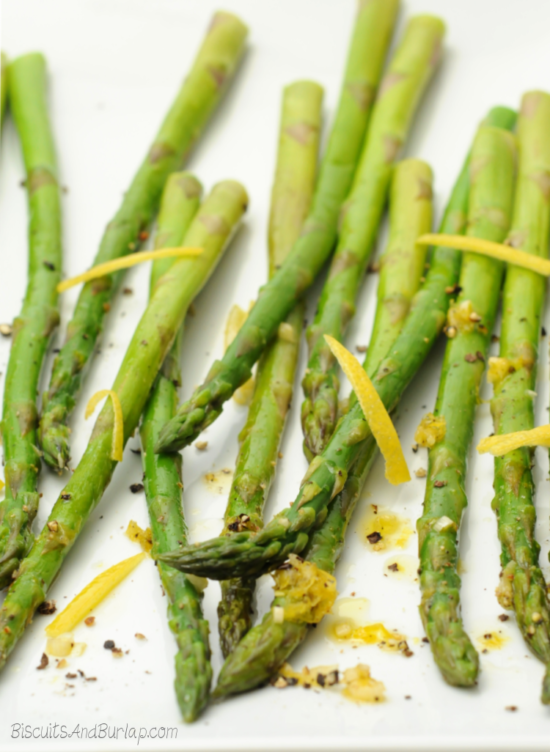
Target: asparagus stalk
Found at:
x=39, y=315
x=404, y=82
x=522, y=583
x=162, y=474
x=492, y=182
x=279, y=296
x=152, y=340
x=258, y=657
x=201, y=91
x=248, y=554
x=261, y=435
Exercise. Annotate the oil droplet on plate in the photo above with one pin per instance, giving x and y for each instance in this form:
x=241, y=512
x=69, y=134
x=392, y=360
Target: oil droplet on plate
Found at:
x=384, y=530
x=494, y=640
x=346, y=623
x=402, y=567
x=219, y=482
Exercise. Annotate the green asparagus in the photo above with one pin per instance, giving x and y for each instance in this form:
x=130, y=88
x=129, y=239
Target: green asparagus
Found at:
x=39, y=316
x=162, y=474
x=248, y=554
x=471, y=320
x=261, y=435
x=266, y=647
x=279, y=296
x=522, y=586
x=257, y=658
x=201, y=91
x=402, y=86
x=152, y=340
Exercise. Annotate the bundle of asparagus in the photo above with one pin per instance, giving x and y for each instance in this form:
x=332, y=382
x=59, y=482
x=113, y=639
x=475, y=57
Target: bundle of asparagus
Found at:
x=201, y=91
x=356, y=173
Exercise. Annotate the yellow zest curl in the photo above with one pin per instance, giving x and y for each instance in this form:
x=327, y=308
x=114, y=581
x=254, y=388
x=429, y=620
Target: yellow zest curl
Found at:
x=497, y=251
x=507, y=442
x=92, y=595
x=118, y=428
x=375, y=413
x=125, y=262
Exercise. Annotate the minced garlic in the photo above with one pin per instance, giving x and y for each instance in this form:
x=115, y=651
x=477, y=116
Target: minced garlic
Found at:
x=309, y=592
x=431, y=430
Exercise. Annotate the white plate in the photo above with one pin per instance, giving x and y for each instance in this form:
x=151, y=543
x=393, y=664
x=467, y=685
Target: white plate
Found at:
x=115, y=65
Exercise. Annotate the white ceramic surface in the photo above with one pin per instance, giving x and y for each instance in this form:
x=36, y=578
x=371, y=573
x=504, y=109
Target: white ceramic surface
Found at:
x=115, y=65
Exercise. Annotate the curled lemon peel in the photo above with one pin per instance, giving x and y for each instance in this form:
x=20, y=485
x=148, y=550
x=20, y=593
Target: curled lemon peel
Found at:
x=507, y=442
x=118, y=428
x=497, y=251
x=92, y=595
x=309, y=592
x=125, y=262
x=375, y=413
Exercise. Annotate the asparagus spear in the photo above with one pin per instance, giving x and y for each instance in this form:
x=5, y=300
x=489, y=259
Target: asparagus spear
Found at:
x=267, y=646
x=247, y=554
x=39, y=315
x=162, y=474
x=492, y=182
x=261, y=435
x=201, y=91
x=522, y=583
x=279, y=296
x=152, y=340
x=404, y=82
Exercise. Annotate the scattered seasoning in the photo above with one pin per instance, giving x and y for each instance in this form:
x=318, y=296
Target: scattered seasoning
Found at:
x=136, y=487
x=440, y=483
x=6, y=330
x=503, y=617
x=373, y=267
x=143, y=235
x=117, y=652
x=470, y=358
x=53, y=526
x=135, y=451
x=425, y=639
x=47, y=608
x=70, y=676
x=106, y=307
x=511, y=708
x=140, y=636
x=127, y=291
x=89, y=621
x=49, y=265
x=415, y=448
x=480, y=356
x=495, y=338
x=393, y=567
x=543, y=331
x=144, y=342
x=91, y=678
x=408, y=697
x=44, y=661
x=201, y=445
x=361, y=348
x=65, y=496
x=109, y=644
x=487, y=636
x=453, y=289
x=421, y=472
x=374, y=537
x=408, y=653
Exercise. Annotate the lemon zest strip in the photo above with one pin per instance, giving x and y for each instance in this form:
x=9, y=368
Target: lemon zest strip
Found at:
x=92, y=595
x=375, y=413
x=125, y=262
x=487, y=248
x=507, y=442
x=118, y=428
